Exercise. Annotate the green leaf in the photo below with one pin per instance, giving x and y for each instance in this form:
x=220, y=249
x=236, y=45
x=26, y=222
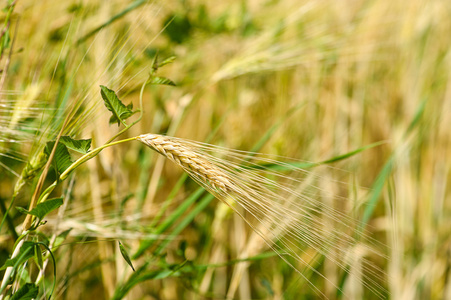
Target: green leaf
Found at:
x=352, y=153
x=27, y=292
x=118, y=109
x=140, y=276
x=54, y=266
x=113, y=118
x=38, y=256
x=160, y=81
x=166, y=61
x=61, y=237
x=43, y=208
x=81, y=146
x=133, y=5
x=170, y=220
x=200, y=206
x=306, y=165
x=126, y=256
x=62, y=159
x=25, y=253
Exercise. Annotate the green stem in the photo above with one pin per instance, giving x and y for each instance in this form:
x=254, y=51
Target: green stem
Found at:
x=77, y=163
x=9, y=270
x=90, y=155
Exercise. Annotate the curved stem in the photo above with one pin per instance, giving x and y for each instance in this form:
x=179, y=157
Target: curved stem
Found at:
x=77, y=163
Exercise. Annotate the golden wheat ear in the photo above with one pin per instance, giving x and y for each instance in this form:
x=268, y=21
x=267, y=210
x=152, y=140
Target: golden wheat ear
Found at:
x=190, y=161
x=287, y=210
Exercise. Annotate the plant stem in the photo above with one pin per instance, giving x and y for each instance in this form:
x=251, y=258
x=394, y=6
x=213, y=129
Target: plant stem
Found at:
x=9, y=270
x=77, y=163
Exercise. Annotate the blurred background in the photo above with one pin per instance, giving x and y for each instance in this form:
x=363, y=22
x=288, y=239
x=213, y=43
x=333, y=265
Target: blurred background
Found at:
x=310, y=80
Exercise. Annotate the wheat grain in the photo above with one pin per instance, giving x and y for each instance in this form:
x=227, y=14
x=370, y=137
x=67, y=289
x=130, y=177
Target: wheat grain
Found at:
x=189, y=160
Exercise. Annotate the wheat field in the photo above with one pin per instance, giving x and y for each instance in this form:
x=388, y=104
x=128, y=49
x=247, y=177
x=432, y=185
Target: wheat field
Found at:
x=303, y=153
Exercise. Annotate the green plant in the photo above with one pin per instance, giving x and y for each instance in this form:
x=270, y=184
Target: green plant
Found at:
x=58, y=158
x=249, y=183
x=309, y=79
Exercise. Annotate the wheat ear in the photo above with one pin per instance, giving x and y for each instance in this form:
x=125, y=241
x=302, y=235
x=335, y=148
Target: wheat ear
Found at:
x=190, y=161
x=283, y=212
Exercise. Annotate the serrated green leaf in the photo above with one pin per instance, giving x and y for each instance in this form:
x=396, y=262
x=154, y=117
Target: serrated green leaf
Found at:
x=27, y=292
x=81, y=146
x=43, y=208
x=161, y=81
x=118, y=109
x=126, y=256
x=26, y=252
x=62, y=159
x=38, y=256
x=113, y=119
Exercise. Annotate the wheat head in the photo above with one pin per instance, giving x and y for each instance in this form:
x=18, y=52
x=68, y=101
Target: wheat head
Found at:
x=190, y=161
x=284, y=213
